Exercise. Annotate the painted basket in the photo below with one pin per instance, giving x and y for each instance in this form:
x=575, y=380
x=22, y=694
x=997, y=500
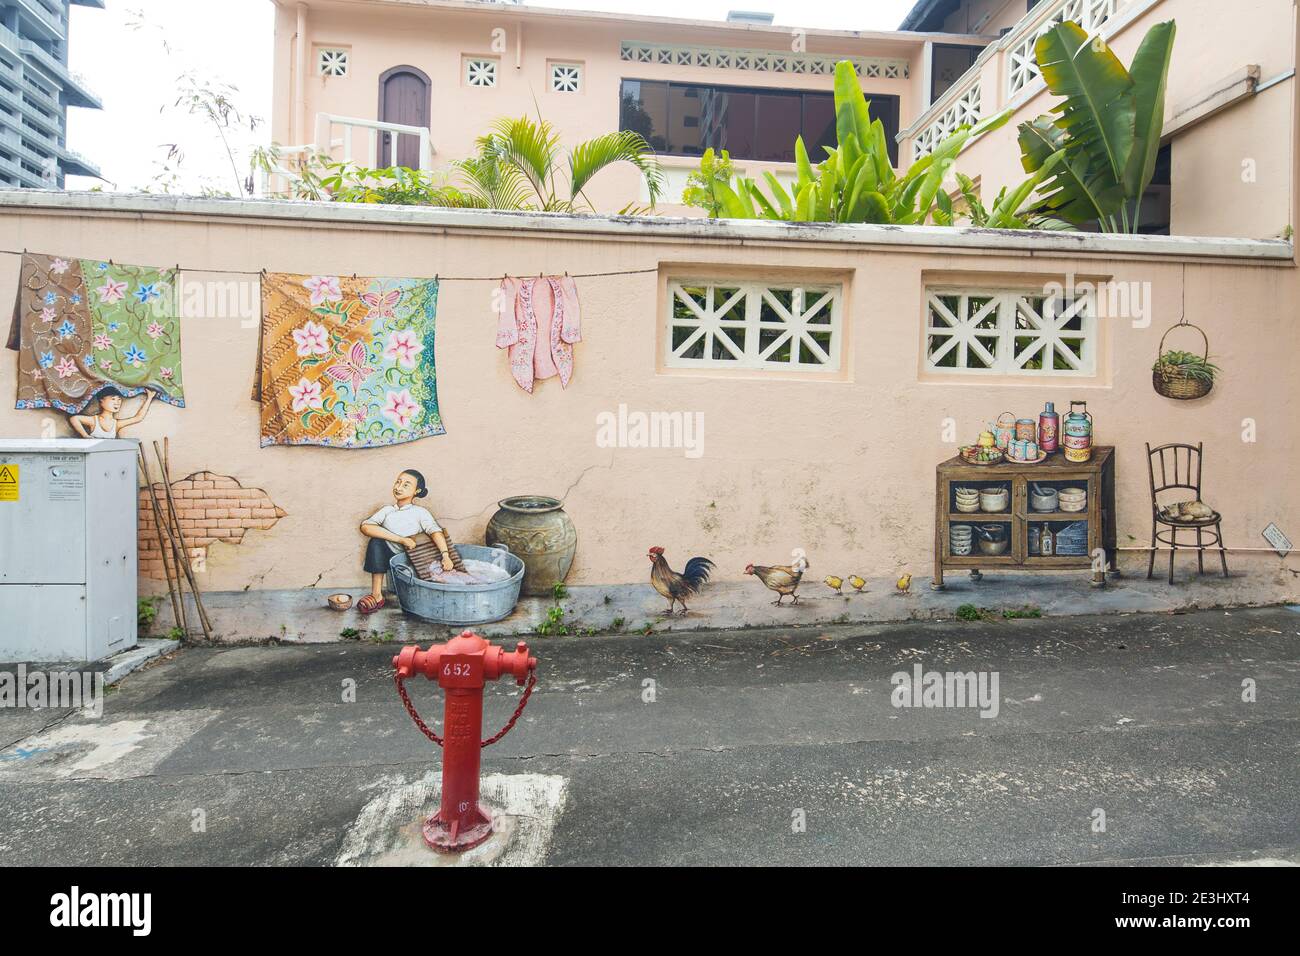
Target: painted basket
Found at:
x=1171, y=382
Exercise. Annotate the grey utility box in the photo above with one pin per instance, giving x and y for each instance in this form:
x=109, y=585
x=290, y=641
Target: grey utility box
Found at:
x=68, y=564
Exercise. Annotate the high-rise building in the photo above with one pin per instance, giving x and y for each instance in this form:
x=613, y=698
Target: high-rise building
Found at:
x=36, y=89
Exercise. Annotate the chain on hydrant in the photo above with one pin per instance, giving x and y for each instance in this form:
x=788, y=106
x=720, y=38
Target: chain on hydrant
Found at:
x=462, y=668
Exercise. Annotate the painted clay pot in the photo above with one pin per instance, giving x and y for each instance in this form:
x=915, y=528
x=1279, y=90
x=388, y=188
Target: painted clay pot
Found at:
x=536, y=529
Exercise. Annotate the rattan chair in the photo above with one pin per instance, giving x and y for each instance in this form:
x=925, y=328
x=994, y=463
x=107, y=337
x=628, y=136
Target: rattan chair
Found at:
x=1180, y=467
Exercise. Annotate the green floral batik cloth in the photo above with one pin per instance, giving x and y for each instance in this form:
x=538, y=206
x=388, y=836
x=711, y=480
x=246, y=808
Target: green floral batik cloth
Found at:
x=347, y=362
x=81, y=326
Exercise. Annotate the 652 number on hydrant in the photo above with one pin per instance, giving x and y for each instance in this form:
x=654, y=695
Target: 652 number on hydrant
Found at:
x=462, y=667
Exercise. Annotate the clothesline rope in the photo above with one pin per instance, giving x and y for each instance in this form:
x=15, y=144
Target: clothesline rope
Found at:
x=436, y=278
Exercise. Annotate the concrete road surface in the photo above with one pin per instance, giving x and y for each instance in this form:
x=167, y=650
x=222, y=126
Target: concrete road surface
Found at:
x=1133, y=739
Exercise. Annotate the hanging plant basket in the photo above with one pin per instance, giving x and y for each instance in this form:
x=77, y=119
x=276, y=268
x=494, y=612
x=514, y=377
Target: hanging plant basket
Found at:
x=1183, y=375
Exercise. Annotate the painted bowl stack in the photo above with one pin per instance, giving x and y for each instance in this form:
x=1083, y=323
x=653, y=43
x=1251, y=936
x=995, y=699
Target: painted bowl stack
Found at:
x=1074, y=499
x=968, y=500
x=961, y=538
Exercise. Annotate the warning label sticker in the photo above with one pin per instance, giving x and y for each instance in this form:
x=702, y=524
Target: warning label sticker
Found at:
x=8, y=482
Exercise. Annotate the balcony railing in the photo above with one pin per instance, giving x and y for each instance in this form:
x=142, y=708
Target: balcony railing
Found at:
x=968, y=99
x=1022, y=65
x=335, y=134
x=327, y=123
x=75, y=88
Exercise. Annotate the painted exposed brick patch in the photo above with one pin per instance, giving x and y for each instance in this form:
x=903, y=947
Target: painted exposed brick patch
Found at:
x=211, y=508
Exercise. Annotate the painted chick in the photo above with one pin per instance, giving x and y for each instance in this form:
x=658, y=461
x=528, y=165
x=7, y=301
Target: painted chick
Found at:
x=834, y=583
x=857, y=582
x=904, y=584
x=783, y=579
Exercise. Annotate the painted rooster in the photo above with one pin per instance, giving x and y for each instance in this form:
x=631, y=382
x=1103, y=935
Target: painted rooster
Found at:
x=783, y=579
x=677, y=587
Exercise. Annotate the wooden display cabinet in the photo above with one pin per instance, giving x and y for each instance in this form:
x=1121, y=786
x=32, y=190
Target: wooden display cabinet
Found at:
x=1024, y=525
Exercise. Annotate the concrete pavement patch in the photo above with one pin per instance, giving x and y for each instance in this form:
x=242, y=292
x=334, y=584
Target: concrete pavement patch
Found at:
x=101, y=749
x=525, y=809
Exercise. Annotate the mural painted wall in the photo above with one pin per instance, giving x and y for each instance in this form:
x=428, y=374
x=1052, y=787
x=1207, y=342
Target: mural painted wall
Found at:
x=836, y=456
x=211, y=509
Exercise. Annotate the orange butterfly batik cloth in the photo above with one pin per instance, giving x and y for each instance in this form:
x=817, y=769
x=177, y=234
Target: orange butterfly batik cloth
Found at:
x=347, y=362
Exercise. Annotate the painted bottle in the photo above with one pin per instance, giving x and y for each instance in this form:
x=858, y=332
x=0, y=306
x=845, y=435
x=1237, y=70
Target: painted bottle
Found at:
x=1045, y=543
x=1049, y=424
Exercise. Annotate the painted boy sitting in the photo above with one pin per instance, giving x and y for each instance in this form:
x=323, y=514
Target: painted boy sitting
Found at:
x=392, y=529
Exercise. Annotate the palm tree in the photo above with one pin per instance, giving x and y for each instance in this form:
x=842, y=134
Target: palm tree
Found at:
x=518, y=166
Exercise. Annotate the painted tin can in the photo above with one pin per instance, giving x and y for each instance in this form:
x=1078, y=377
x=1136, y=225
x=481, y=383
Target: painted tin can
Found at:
x=1004, y=429
x=1049, y=424
x=1026, y=430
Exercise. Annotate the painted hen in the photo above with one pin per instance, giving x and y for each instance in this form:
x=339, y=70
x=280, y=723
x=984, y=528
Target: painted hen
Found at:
x=783, y=579
x=677, y=587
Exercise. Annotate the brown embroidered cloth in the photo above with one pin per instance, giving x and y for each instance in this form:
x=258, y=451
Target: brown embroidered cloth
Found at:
x=82, y=326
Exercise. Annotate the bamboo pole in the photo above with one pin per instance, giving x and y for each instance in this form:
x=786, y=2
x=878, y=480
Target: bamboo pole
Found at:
x=180, y=537
x=178, y=601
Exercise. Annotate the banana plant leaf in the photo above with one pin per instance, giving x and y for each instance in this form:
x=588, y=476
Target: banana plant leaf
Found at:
x=1150, y=73
x=1075, y=191
x=1098, y=109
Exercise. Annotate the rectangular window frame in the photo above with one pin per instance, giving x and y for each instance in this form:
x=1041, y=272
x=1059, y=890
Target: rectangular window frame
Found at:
x=990, y=324
x=884, y=106
x=714, y=323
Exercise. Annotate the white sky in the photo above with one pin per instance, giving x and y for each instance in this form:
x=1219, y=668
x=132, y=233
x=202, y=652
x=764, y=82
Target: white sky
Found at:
x=134, y=69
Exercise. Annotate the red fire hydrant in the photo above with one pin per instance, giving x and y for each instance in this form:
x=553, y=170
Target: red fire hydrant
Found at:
x=463, y=666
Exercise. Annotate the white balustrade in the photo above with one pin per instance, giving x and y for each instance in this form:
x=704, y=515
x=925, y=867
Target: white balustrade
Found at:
x=963, y=103
x=327, y=123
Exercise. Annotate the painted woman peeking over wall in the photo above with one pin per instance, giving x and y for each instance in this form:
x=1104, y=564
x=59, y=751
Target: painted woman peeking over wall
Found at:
x=392, y=529
x=107, y=424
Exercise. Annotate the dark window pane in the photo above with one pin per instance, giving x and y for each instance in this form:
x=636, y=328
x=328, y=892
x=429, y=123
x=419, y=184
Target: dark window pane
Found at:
x=727, y=118
x=780, y=121
x=644, y=109
x=685, y=115
x=885, y=109
x=818, y=124
x=682, y=119
x=948, y=63
x=1157, y=202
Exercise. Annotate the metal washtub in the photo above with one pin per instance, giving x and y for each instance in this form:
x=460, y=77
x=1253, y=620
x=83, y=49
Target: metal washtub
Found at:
x=460, y=604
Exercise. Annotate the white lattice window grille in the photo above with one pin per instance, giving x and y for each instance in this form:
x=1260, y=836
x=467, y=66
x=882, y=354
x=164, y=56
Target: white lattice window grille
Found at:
x=332, y=62
x=1092, y=15
x=566, y=77
x=718, y=324
x=761, y=61
x=998, y=332
x=481, y=72
x=964, y=111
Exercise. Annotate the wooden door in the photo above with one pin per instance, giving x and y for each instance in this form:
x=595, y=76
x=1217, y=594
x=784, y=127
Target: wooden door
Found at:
x=404, y=97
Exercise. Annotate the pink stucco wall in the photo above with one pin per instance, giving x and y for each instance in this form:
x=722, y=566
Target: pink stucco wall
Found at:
x=1210, y=194
x=842, y=466
x=436, y=38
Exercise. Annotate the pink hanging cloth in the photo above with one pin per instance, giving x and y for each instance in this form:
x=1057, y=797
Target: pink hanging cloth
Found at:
x=540, y=321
